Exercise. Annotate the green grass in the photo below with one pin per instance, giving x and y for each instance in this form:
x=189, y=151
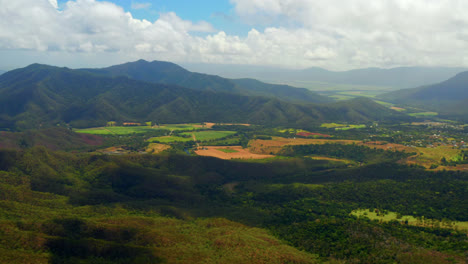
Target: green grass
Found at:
x=210, y=135
x=125, y=130
x=342, y=126
x=389, y=216
x=383, y=103
x=228, y=150
x=424, y=114
x=180, y=127
x=170, y=139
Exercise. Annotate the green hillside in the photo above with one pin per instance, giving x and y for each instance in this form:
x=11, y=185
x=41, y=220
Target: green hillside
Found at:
x=173, y=74
x=448, y=97
x=40, y=96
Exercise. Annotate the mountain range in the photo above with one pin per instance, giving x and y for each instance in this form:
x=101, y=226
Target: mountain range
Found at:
x=397, y=78
x=169, y=73
x=449, y=97
x=41, y=95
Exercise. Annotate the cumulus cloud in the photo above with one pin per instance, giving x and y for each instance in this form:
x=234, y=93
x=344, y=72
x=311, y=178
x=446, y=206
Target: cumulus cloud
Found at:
x=334, y=34
x=54, y=3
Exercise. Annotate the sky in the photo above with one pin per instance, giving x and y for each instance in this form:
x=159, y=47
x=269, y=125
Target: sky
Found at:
x=296, y=34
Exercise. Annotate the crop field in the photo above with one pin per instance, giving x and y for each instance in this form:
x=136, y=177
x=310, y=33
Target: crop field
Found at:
x=125, y=130
x=389, y=216
x=117, y=130
x=170, y=139
x=232, y=152
x=228, y=150
x=179, y=127
x=423, y=114
x=209, y=135
x=342, y=126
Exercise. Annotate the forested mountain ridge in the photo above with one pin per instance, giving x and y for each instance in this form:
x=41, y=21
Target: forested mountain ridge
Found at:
x=173, y=74
x=447, y=97
x=41, y=95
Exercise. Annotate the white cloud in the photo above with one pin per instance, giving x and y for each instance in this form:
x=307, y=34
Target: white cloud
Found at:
x=54, y=3
x=334, y=34
x=140, y=5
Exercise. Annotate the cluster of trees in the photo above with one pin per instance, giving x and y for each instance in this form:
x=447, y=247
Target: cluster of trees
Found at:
x=353, y=152
x=300, y=200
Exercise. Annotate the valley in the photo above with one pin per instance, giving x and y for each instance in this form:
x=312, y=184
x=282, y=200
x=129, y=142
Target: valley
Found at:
x=124, y=159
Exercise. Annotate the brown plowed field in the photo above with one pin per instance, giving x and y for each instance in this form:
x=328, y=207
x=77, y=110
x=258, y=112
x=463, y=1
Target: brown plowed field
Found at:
x=240, y=154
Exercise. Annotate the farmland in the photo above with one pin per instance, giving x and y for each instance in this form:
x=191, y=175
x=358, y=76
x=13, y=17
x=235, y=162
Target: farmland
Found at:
x=341, y=126
x=424, y=114
x=277, y=143
x=232, y=152
x=126, y=130
x=209, y=135
x=117, y=130
x=170, y=139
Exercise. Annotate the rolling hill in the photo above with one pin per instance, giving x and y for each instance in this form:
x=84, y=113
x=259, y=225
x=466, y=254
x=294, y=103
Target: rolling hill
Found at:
x=173, y=74
x=40, y=96
x=400, y=77
x=448, y=97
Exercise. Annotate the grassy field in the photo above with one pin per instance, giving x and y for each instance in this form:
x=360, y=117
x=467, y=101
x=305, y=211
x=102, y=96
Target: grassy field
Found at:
x=228, y=150
x=156, y=148
x=117, y=130
x=179, y=127
x=389, y=216
x=210, y=135
x=342, y=126
x=125, y=130
x=423, y=114
x=170, y=139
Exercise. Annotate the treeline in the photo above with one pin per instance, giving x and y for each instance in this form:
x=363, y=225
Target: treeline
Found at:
x=350, y=151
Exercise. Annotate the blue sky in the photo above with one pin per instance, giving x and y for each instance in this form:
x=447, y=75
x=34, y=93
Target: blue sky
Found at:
x=220, y=13
x=332, y=34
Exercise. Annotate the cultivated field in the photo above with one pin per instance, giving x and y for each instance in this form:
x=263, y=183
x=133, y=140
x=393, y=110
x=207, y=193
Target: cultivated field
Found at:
x=424, y=114
x=209, y=135
x=125, y=130
x=117, y=130
x=231, y=152
x=170, y=139
x=342, y=126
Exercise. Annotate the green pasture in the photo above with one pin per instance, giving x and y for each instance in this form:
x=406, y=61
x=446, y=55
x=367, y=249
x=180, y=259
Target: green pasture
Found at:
x=125, y=130
x=424, y=114
x=342, y=126
x=228, y=150
x=170, y=139
x=117, y=130
x=209, y=135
